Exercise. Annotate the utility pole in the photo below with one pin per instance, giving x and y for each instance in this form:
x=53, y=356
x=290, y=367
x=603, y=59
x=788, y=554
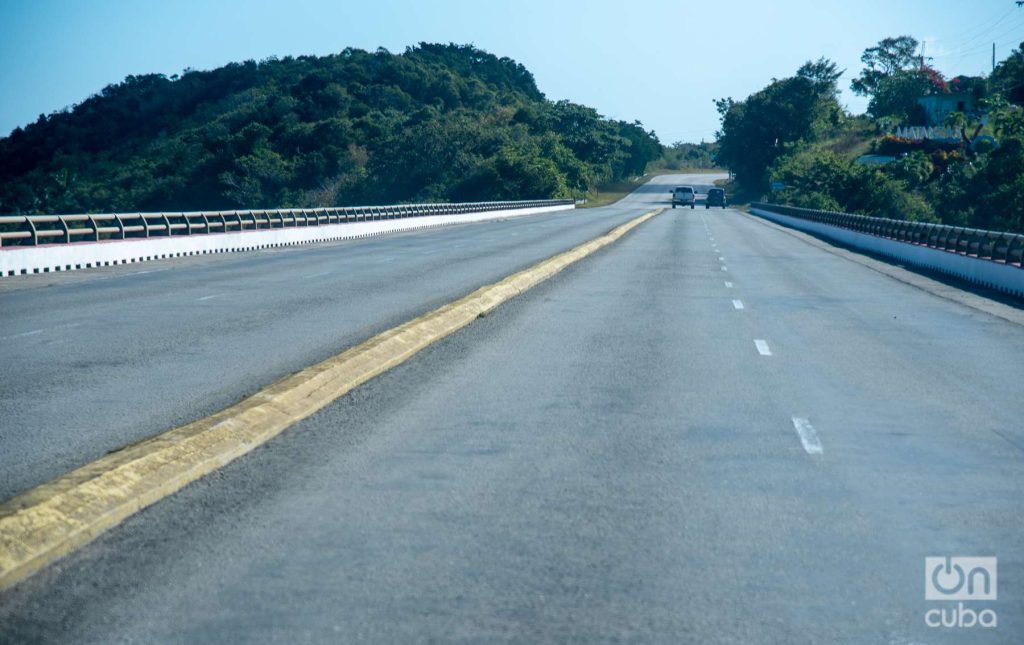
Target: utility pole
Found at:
x=994, y=52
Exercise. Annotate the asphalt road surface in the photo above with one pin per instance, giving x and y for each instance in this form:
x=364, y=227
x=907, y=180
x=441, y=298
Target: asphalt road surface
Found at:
x=97, y=359
x=712, y=431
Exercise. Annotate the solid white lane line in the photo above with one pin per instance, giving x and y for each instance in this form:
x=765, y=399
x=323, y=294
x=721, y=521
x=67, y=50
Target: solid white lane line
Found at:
x=728, y=285
x=216, y=295
x=738, y=304
x=762, y=347
x=808, y=436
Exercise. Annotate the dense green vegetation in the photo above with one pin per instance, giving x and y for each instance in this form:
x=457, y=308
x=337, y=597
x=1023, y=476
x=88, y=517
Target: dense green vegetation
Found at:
x=435, y=123
x=687, y=156
x=794, y=132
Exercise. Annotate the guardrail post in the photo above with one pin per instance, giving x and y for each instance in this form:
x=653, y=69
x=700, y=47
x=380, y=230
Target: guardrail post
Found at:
x=34, y=240
x=1015, y=249
x=64, y=227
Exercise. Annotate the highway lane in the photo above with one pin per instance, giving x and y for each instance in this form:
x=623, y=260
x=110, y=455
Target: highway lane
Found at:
x=95, y=360
x=611, y=456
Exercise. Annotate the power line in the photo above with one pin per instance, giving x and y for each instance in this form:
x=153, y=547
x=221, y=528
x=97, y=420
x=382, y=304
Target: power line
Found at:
x=973, y=34
x=1019, y=25
x=967, y=46
x=973, y=48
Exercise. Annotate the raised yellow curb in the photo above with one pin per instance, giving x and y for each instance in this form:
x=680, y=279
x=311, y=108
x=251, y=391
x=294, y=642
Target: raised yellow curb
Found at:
x=51, y=520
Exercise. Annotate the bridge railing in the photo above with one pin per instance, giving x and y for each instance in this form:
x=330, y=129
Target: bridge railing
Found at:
x=33, y=230
x=1000, y=247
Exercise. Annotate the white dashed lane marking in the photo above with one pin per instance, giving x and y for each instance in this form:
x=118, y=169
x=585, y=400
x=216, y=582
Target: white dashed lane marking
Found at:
x=762, y=347
x=23, y=334
x=808, y=436
x=36, y=332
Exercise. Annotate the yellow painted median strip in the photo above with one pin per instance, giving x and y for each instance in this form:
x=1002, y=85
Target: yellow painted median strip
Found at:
x=50, y=521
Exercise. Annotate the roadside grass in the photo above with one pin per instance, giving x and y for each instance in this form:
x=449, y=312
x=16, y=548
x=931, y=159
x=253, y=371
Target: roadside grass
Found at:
x=610, y=192
x=853, y=141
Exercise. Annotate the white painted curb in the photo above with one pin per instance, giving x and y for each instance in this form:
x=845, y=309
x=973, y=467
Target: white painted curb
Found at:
x=1003, y=277
x=19, y=260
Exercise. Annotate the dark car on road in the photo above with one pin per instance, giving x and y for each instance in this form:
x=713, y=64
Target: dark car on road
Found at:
x=716, y=197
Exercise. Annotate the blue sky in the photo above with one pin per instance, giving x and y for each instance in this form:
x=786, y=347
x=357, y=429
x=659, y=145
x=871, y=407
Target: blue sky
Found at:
x=659, y=61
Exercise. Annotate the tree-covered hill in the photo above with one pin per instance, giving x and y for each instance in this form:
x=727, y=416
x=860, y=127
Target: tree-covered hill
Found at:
x=437, y=122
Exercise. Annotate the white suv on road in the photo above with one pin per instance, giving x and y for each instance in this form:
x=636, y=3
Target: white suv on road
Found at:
x=684, y=196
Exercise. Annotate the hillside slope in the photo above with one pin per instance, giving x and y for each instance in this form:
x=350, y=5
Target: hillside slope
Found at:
x=437, y=122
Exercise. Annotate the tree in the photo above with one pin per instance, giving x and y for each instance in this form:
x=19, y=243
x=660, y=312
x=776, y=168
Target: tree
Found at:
x=1007, y=118
x=977, y=86
x=680, y=156
x=890, y=57
x=914, y=169
x=823, y=73
x=825, y=180
x=1008, y=76
x=897, y=95
x=759, y=130
x=643, y=148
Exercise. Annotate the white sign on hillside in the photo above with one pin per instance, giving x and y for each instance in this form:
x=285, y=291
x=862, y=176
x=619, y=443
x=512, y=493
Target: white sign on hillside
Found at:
x=936, y=133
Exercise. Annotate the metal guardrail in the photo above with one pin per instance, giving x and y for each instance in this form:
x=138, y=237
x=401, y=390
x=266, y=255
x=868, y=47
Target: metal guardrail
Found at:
x=1004, y=248
x=32, y=230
